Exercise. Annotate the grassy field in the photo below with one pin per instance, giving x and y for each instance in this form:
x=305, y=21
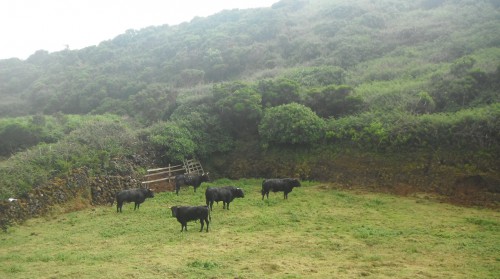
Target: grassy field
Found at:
x=319, y=232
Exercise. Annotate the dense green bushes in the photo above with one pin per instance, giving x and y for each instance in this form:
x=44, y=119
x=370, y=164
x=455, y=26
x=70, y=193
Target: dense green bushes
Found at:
x=389, y=76
x=239, y=107
x=336, y=101
x=473, y=129
x=291, y=124
x=99, y=144
x=321, y=43
x=464, y=86
x=17, y=134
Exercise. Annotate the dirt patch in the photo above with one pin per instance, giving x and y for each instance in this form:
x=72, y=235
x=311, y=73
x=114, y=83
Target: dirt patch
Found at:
x=475, y=190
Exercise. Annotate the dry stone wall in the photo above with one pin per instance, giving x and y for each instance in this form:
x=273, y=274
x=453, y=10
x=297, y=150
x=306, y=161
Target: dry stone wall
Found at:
x=99, y=190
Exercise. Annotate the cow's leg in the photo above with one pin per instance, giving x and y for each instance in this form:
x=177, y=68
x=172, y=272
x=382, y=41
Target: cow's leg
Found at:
x=223, y=205
x=119, y=207
x=211, y=205
x=202, y=224
x=206, y=220
x=227, y=207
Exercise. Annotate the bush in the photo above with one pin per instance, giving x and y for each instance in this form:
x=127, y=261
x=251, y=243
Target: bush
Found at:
x=317, y=76
x=239, y=107
x=333, y=101
x=291, y=124
x=279, y=92
x=473, y=129
x=98, y=144
x=206, y=130
x=173, y=142
x=201, y=118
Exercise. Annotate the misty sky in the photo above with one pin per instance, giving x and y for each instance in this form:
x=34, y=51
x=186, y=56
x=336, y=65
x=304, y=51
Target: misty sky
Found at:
x=30, y=25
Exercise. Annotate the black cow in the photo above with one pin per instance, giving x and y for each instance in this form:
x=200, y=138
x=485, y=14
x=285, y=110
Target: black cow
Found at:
x=185, y=214
x=225, y=194
x=279, y=185
x=192, y=179
x=137, y=196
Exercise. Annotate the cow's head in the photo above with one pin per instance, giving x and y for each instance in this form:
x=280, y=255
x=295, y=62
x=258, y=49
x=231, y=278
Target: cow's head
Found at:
x=148, y=193
x=151, y=194
x=293, y=182
x=204, y=177
x=174, y=210
x=238, y=193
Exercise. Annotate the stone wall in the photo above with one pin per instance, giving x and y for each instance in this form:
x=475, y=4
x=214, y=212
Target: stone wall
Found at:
x=99, y=190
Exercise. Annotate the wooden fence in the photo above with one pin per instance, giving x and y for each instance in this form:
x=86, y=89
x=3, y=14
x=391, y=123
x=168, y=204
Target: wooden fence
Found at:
x=162, y=179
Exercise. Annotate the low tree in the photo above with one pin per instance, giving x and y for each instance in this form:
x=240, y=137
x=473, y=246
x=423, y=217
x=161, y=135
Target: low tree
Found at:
x=239, y=107
x=15, y=137
x=155, y=103
x=291, y=124
x=172, y=142
x=424, y=103
x=333, y=100
x=279, y=92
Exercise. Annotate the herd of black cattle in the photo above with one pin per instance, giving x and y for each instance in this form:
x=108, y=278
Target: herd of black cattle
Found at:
x=225, y=194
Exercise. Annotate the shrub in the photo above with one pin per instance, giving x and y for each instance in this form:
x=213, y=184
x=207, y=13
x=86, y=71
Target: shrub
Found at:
x=291, y=124
x=238, y=106
x=472, y=129
x=279, y=92
x=333, y=101
x=98, y=144
x=173, y=142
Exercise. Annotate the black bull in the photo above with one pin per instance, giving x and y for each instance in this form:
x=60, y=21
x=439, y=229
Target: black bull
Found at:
x=225, y=194
x=136, y=196
x=190, y=179
x=185, y=214
x=284, y=185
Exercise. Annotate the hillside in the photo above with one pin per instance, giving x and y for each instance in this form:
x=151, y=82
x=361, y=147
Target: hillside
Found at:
x=364, y=44
x=390, y=95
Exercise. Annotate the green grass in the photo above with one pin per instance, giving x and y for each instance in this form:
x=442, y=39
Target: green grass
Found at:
x=319, y=232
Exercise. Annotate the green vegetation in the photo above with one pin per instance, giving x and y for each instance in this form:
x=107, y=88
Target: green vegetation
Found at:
x=98, y=143
x=418, y=77
x=291, y=124
x=319, y=232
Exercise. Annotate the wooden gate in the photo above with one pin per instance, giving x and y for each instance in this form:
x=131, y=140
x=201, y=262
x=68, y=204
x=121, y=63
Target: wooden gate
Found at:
x=163, y=179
